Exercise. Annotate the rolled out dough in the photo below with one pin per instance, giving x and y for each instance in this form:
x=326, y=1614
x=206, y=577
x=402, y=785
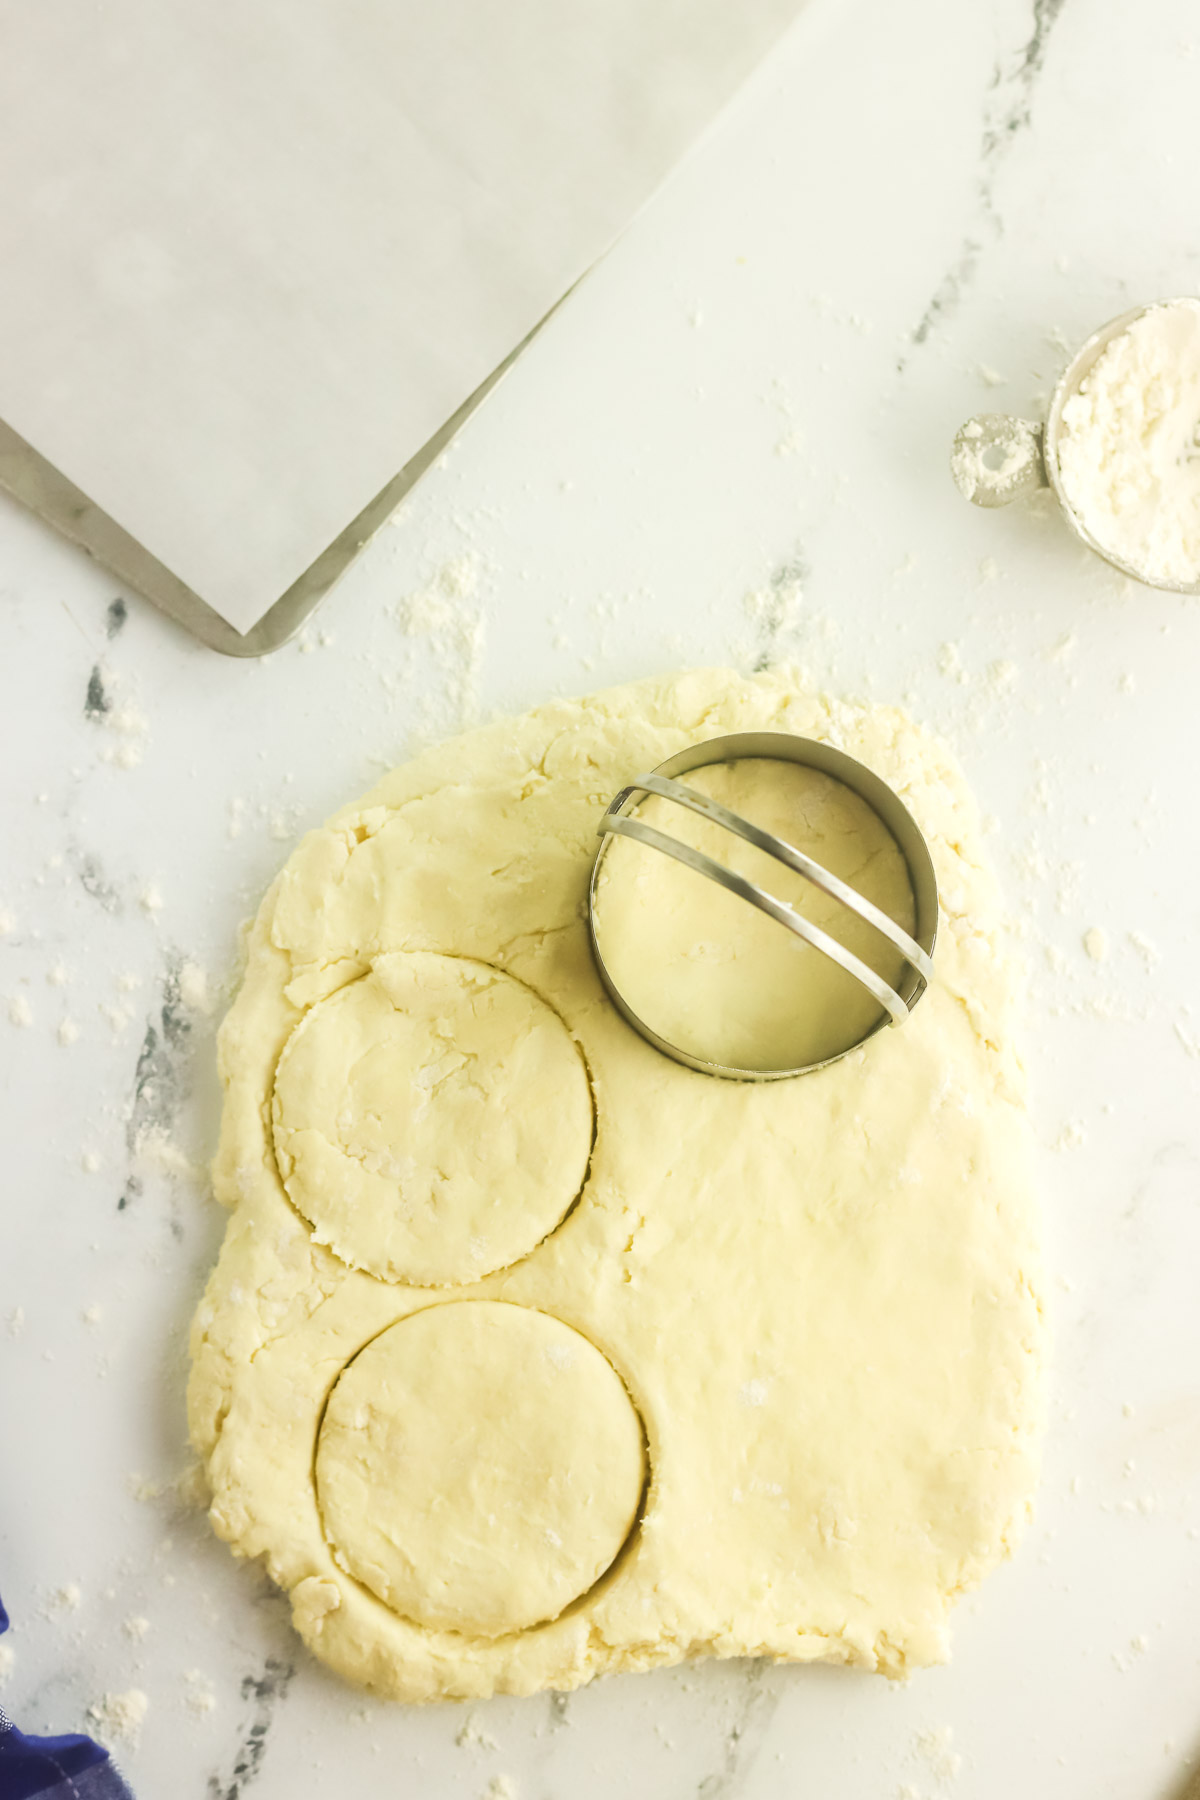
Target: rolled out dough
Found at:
x=811, y=1306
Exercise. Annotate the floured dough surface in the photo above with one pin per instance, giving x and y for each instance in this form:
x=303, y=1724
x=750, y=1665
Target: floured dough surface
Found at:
x=799, y=1414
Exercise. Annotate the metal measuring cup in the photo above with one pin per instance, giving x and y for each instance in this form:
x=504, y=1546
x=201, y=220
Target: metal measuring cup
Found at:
x=997, y=457
x=774, y=746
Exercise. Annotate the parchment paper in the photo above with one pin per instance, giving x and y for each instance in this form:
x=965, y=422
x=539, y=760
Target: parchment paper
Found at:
x=253, y=253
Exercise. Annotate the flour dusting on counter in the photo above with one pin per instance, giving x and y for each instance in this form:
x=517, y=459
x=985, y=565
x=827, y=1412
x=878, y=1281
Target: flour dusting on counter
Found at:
x=118, y=1718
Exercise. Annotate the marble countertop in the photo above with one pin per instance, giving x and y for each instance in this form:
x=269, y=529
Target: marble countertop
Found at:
x=731, y=444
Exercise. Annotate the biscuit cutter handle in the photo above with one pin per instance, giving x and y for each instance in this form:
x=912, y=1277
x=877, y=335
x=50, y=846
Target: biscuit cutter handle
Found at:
x=622, y=824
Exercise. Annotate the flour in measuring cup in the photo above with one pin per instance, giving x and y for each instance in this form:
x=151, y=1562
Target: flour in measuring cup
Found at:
x=1129, y=445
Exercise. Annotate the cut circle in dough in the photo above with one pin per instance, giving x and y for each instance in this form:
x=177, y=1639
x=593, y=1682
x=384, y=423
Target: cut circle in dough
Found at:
x=719, y=979
x=479, y=1467
x=432, y=1120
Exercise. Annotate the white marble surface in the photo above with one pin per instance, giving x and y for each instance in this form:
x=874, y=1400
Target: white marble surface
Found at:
x=755, y=392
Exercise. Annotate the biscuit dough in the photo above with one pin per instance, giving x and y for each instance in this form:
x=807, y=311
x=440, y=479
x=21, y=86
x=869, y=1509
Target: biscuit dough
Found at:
x=471, y=1412
x=811, y=1306
x=432, y=1120
x=713, y=975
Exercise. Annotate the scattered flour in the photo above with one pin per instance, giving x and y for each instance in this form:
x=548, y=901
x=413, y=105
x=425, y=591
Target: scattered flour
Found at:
x=1129, y=452
x=126, y=724
x=774, y=608
x=937, y=1747
x=68, y=1033
x=131, y=727
x=156, y=1151
x=150, y=899
x=194, y=990
x=1148, y=952
x=501, y=1787
x=56, y=975
x=118, y=1718
x=460, y=576
x=1138, y=1646
x=136, y=1627
x=949, y=664
x=1095, y=942
x=473, y=1736
x=199, y=1692
x=19, y=1011
x=1062, y=648
x=447, y=616
x=189, y=1489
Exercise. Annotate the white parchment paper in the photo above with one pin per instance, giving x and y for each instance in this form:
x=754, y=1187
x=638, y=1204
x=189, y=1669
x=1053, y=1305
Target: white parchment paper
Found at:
x=255, y=252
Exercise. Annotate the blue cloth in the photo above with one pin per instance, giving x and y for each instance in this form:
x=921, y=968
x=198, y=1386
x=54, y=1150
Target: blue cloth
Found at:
x=54, y=1768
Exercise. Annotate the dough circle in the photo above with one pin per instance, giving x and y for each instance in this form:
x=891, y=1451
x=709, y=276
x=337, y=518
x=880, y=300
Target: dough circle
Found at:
x=479, y=1467
x=709, y=972
x=432, y=1120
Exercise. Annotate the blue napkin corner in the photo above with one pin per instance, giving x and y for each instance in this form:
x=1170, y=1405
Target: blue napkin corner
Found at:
x=55, y=1768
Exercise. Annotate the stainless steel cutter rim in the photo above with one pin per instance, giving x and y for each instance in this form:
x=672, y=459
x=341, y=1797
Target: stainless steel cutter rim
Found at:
x=774, y=746
x=1042, y=468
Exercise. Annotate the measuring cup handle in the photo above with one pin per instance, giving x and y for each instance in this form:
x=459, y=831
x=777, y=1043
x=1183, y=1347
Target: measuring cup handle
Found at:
x=996, y=458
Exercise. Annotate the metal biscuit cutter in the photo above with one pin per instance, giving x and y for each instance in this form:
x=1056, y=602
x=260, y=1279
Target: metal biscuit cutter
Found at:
x=620, y=820
x=996, y=457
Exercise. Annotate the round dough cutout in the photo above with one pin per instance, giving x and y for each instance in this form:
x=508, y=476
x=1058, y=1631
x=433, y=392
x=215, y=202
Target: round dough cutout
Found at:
x=713, y=975
x=433, y=1120
x=479, y=1467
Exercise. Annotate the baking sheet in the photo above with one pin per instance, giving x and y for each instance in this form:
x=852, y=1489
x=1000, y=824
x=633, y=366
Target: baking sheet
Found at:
x=257, y=254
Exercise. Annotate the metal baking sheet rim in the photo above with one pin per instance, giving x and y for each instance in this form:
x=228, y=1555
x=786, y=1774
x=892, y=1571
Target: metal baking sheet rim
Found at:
x=46, y=491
